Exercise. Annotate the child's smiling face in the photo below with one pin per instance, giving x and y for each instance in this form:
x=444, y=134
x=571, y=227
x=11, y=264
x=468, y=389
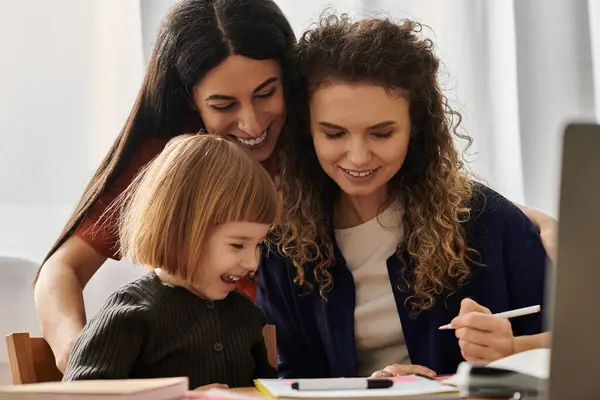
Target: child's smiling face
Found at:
x=232, y=251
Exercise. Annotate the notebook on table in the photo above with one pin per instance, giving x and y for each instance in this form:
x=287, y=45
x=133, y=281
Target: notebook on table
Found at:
x=409, y=386
x=130, y=389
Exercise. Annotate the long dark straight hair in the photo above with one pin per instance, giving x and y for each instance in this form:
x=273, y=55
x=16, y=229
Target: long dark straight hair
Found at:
x=195, y=37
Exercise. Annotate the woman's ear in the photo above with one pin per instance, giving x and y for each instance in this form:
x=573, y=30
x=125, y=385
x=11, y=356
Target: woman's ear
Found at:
x=189, y=99
x=188, y=96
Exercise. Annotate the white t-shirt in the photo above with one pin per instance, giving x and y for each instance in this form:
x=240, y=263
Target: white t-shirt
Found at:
x=378, y=331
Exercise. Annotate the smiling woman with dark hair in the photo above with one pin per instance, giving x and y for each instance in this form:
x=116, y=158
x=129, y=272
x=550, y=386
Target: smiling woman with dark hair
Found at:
x=384, y=233
x=218, y=66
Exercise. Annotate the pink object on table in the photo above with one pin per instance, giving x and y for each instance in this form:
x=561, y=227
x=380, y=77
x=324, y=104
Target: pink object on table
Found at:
x=407, y=378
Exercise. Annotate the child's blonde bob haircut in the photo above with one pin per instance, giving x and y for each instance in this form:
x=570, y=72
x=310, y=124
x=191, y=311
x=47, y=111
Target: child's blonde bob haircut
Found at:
x=197, y=183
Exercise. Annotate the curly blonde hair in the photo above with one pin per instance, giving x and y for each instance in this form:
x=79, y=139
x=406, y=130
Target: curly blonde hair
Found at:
x=432, y=184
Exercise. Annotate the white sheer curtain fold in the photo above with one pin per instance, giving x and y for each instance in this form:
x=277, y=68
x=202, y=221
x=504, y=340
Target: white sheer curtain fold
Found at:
x=70, y=72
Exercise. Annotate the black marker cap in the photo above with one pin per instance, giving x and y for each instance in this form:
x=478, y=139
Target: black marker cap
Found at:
x=379, y=383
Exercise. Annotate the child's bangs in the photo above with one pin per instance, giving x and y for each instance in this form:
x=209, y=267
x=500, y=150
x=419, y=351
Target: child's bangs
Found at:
x=253, y=199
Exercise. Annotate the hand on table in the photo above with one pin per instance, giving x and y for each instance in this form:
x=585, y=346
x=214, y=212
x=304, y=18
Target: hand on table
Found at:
x=403, y=369
x=211, y=386
x=482, y=337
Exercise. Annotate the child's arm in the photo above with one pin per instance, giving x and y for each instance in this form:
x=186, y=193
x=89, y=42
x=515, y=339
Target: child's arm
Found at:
x=110, y=343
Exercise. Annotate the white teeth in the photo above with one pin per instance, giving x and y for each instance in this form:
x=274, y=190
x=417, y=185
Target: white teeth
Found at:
x=255, y=141
x=359, y=173
x=234, y=278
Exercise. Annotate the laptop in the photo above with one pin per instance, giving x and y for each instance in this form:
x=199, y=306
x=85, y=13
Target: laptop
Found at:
x=575, y=298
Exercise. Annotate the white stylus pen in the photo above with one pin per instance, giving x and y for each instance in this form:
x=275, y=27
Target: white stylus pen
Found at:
x=508, y=314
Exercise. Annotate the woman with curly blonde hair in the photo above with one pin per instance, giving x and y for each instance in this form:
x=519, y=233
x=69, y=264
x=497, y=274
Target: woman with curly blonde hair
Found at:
x=385, y=237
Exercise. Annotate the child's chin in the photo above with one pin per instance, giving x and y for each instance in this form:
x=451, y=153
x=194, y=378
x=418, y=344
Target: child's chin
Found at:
x=219, y=295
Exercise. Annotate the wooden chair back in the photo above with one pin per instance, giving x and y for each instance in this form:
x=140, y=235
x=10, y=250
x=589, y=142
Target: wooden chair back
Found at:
x=270, y=335
x=31, y=359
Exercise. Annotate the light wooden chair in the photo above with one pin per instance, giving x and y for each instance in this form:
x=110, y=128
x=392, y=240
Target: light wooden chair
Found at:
x=32, y=361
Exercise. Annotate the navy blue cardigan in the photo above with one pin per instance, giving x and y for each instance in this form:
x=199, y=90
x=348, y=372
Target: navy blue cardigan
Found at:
x=315, y=339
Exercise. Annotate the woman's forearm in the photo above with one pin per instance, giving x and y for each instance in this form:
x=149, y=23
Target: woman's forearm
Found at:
x=60, y=309
x=547, y=226
x=539, y=218
x=530, y=342
x=59, y=295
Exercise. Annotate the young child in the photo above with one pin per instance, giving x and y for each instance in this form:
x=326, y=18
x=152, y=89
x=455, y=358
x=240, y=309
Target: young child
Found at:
x=198, y=216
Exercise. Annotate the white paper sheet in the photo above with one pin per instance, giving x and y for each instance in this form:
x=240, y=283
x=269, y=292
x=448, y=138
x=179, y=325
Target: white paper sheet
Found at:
x=403, y=387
